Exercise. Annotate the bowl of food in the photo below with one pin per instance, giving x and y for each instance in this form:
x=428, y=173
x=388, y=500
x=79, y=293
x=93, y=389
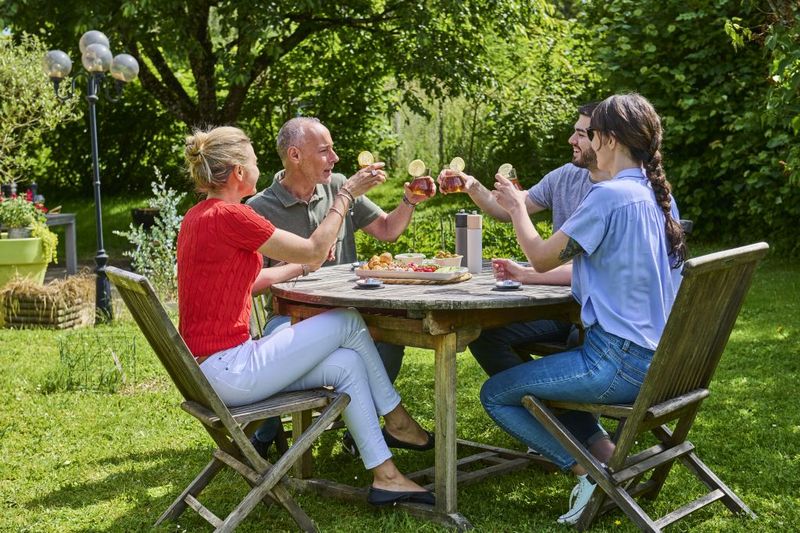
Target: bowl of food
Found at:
x=447, y=259
x=407, y=258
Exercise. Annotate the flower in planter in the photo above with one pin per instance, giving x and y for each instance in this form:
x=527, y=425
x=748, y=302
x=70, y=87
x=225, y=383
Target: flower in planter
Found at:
x=19, y=213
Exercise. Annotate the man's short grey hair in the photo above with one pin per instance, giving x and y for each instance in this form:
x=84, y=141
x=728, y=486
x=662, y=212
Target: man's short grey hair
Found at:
x=291, y=133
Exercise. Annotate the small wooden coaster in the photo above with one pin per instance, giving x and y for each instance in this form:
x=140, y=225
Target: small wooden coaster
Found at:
x=463, y=277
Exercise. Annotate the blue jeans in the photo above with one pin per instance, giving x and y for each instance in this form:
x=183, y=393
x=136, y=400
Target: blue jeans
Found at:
x=494, y=348
x=606, y=369
x=391, y=355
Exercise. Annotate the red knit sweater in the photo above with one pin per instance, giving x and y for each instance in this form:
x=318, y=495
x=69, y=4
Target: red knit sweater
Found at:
x=218, y=262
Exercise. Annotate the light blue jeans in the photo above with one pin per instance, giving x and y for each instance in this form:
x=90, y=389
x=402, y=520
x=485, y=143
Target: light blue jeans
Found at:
x=605, y=369
x=330, y=349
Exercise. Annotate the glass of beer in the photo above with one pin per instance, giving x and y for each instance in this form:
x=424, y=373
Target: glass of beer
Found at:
x=422, y=184
x=453, y=182
x=508, y=172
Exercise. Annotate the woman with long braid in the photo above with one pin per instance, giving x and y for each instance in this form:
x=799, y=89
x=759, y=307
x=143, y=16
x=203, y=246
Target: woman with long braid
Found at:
x=627, y=246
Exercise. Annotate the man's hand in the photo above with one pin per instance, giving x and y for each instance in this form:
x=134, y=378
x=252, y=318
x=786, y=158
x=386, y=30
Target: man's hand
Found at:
x=416, y=197
x=508, y=196
x=365, y=179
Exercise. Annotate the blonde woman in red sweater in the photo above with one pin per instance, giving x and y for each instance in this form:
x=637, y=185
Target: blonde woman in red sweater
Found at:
x=220, y=248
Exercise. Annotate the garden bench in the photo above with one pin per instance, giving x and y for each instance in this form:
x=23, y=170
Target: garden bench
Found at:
x=711, y=294
x=228, y=427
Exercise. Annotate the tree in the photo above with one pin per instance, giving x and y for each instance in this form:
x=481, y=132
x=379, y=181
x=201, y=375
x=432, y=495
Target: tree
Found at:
x=28, y=106
x=728, y=111
x=201, y=59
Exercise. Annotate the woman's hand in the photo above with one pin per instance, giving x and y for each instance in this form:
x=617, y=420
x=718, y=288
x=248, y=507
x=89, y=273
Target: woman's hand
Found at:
x=504, y=269
x=365, y=179
x=508, y=196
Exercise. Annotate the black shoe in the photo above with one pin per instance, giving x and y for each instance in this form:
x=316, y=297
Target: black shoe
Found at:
x=261, y=447
x=349, y=444
x=393, y=442
x=389, y=497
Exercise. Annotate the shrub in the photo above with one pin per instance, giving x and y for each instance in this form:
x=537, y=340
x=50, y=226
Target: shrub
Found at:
x=155, y=249
x=29, y=107
x=433, y=229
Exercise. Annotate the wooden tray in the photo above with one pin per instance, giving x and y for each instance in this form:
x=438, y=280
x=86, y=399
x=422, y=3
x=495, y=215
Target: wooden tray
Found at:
x=463, y=277
x=410, y=275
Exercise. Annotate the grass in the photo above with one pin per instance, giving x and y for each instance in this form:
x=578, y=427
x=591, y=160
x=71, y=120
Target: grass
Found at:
x=76, y=458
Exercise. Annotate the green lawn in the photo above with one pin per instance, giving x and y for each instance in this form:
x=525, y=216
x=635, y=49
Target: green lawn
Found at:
x=77, y=459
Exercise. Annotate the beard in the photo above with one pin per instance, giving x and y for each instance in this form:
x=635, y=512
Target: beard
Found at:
x=586, y=159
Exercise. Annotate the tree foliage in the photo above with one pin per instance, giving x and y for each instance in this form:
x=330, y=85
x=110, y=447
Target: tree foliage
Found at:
x=257, y=64
x=28, y=106
x=728, y=107
x=201, y=59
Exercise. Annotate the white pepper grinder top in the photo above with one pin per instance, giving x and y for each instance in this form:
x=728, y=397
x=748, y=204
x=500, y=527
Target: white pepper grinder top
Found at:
x=474, y=243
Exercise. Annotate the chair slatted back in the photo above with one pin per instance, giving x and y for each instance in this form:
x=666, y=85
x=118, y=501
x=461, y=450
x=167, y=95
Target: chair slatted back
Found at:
x=713, y=289
x=169, y=346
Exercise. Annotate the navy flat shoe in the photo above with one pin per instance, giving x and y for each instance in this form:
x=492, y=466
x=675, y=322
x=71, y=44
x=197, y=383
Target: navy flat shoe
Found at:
x=393, y=442
x=381, y=497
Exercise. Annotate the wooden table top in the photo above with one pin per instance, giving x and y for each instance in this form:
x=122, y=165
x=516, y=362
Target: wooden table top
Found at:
x=335, y=286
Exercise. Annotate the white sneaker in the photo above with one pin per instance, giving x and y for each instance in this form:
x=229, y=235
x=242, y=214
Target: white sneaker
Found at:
x=578, y=499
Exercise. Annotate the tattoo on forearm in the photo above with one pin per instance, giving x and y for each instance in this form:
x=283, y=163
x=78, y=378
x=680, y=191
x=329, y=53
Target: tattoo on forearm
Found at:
x=570, y=250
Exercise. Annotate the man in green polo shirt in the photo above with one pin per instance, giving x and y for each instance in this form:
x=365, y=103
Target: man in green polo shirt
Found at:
x=300, y=197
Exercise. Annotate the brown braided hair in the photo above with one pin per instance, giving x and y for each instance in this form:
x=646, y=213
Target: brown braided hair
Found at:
x=633, y=121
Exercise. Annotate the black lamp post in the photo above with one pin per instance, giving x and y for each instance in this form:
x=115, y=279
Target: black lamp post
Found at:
x=97, y=60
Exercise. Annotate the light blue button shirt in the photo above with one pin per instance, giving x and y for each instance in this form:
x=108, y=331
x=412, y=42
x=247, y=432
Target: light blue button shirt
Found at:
x=623, y=281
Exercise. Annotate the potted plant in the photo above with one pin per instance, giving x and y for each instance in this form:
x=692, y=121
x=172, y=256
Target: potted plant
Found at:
x=29, y=245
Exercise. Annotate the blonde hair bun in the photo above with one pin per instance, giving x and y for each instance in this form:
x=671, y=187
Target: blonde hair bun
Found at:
x=212, y=153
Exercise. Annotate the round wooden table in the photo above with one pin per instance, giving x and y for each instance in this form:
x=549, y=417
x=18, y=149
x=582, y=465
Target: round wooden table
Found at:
x=441, y=317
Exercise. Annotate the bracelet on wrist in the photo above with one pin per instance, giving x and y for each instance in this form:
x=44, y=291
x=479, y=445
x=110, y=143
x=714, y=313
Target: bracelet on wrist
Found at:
x=346, y=192
x=409, y=203
x=347, y=200
x=336, y=210
x=306, y=269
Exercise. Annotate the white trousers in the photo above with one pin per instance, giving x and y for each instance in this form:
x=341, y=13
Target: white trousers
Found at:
x=331, y=349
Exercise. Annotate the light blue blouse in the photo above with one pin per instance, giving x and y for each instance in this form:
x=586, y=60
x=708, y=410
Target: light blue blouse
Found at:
x=623, y=281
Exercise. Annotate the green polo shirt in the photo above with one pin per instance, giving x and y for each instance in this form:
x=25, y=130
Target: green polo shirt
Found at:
x=280, y=207
x=286, y=212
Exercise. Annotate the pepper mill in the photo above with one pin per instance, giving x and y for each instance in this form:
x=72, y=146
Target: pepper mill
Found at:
x=474, y=243
x=461, y=236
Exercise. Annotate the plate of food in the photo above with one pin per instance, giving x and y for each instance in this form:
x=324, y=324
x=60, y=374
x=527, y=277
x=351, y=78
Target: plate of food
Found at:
x=384, y=266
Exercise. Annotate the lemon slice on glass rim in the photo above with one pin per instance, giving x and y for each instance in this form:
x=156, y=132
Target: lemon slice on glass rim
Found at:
x=365, y=159
x=416, y=168
x=505, y=170
x=457, y=164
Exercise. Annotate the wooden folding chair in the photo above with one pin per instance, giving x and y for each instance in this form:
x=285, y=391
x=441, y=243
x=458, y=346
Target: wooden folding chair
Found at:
x=228, y=427
x=705, y=310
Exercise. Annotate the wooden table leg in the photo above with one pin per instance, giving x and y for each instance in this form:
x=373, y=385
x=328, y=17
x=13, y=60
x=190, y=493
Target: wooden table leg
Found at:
x=445, y=400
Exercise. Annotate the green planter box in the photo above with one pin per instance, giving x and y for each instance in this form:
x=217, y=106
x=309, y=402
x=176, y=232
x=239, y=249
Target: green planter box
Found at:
x=24, y=257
